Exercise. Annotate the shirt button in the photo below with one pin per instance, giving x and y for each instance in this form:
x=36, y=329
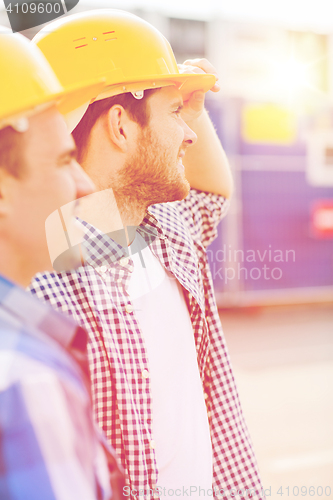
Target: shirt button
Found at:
x=145, y=374
x=103, y=269
x=152, y=444
x=124, y=261
x=129, y=308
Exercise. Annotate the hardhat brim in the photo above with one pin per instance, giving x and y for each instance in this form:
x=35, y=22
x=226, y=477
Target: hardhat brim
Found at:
x=76, y=95
x=186, y=83
x=66, y=101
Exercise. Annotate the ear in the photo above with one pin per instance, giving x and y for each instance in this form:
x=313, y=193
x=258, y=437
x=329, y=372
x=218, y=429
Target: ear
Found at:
x=120, y=128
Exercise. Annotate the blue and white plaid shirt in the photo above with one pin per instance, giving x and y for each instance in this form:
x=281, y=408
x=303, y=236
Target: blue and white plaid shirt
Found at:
x=49, y=446
x=178, y=234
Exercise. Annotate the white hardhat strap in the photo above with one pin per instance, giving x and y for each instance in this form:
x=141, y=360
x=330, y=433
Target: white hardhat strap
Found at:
x=138, y=94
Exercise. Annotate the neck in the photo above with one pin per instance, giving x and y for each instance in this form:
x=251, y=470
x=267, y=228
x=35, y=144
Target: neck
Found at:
x=131, y=216
x=117, y=202
x=110, y=211
x=14, y=267
x=131, y=211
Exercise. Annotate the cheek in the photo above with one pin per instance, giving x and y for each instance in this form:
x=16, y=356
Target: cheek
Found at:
x=165, y=138
x=62, y=188
x=53, y=192
x=36, y=199
x=175, y=136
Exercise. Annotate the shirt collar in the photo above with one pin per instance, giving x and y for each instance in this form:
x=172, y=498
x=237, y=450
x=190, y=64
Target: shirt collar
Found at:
x=109, y=248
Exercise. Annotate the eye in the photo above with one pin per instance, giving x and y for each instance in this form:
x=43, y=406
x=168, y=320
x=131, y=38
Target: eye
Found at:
x=67, y=159
x=178, y=110
x=65, y=162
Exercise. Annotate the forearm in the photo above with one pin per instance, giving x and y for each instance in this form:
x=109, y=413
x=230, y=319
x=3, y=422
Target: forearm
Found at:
x=206, y=165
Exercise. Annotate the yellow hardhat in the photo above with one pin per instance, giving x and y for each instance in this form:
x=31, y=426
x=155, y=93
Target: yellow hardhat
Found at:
x=127, y=51
x=28, y=82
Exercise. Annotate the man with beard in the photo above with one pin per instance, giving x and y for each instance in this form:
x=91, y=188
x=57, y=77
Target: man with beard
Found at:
x=162, y=383
x=49, y=445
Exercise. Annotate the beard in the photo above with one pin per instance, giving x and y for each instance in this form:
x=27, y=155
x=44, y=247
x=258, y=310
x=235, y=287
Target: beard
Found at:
x=152, y=175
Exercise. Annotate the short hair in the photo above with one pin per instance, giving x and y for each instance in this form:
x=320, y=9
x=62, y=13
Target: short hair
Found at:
x=136, y=108
x=11, y=145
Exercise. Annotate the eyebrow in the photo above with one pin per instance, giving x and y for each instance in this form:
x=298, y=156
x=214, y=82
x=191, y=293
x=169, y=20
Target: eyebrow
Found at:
x=72, y=153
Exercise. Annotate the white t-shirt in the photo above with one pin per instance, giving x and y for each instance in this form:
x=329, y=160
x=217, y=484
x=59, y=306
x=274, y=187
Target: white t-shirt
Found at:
x=180, y=423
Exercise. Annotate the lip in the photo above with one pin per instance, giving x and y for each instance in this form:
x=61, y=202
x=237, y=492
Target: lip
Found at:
x=180, y=164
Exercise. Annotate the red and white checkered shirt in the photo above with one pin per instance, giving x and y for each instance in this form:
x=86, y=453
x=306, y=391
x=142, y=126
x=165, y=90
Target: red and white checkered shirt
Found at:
x=95, y=295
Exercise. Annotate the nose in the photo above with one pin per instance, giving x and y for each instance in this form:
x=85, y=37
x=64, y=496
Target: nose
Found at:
x=190, y=137
x=84, y=185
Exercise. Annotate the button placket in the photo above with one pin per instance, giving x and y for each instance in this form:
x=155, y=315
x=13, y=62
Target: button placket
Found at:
x=152, y=444
x=124, y=261
x=129, y=308
x=102, y=271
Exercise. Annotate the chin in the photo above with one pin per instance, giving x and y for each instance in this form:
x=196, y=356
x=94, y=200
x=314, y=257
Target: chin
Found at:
x=175, y=192
x=182, y=188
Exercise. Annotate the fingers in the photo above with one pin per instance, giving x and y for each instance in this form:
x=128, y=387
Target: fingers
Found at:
x=189, y=69
x=200, y=66
x=204, y=64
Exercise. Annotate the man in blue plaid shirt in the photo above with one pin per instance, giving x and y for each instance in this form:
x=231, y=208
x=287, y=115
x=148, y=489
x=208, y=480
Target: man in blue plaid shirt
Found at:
x=50, y=448
x=162, y=382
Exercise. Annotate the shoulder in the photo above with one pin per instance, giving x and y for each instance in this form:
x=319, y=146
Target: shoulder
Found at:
x=32, y=358
x=198, y=215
